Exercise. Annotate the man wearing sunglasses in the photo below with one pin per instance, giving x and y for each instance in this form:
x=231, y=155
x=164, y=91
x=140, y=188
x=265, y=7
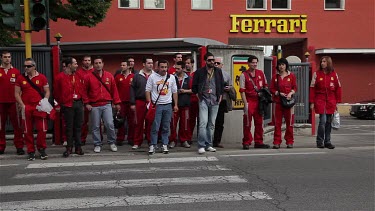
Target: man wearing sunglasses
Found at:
x=208, y=84
x=29, y=89
x=8, y=75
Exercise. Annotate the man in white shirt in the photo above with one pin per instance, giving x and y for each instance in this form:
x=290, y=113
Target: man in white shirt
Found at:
x=160, y=89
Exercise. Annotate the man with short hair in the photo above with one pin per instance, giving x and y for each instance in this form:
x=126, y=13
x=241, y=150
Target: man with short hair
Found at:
x=251, y=81
x=182, y=116
x=130, y=66
x=177, y=58
x=8, y=76
x=208, y=84
x=84, y=70
x=30, y=89
x=160, y=90
x=99, y=96
x=138, y=101
x=194, y=105
x=68, y=88
x=123, y=83
x=223, y=106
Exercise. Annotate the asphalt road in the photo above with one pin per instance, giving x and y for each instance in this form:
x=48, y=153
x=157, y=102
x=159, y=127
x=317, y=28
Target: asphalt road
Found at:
x=303, y=178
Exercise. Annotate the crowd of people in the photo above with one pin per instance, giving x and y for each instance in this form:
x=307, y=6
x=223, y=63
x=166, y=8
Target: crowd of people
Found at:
x=162, y=102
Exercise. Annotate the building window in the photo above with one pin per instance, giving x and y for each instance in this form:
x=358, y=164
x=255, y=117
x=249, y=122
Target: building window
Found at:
x=280, y=4
x=201, y=4
x=154, y=4
x=128, y=4
x=334, y=4
x=256, y=4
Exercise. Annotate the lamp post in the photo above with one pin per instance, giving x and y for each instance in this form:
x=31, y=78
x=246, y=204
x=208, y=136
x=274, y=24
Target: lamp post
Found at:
x=307, y=54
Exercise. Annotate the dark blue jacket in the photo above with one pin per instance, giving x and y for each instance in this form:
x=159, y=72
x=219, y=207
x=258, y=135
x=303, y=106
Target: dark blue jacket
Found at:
x=200, y=78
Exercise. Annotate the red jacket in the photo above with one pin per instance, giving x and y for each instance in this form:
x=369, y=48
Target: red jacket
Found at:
x=286, y=84
x=124, y=85
x=82, y=72
x=67, y=88
x=95, y=94
x=7, y=82
x=325, y=92
x=29, y=95
x=247, y=86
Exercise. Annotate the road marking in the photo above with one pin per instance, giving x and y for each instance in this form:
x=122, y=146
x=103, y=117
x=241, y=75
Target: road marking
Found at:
x=120, y=171
x=120, y=184
x=355, y=134
x=121, y=162
x=6, y=165
x=274, y=154
x=126, y=201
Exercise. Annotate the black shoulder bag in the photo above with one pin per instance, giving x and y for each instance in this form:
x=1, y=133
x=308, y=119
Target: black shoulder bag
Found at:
x=284, y=101
x=100, y=80
x=33, y=85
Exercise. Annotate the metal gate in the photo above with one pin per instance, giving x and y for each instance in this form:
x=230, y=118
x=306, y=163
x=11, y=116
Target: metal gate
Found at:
x=42, y=57
x=301, y=109
x=268, y=74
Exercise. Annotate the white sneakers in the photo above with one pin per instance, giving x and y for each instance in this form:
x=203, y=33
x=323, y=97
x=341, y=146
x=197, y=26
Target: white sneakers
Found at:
x=186, y=144
x=165, y=149
x=97, y=149
x=135, y=147
x=113, y=148
x=209, y=149
x=172, y=144
x=152, y=150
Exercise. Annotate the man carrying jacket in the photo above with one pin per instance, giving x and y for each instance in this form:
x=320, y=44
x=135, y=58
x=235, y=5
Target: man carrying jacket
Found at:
x=208, y=84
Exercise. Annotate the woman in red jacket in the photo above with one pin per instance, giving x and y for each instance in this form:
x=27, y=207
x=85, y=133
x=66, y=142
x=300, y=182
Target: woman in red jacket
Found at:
x=284, y=83
x=325, y=93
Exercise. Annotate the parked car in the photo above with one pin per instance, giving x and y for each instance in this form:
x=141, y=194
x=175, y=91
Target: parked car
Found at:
x=362, y=111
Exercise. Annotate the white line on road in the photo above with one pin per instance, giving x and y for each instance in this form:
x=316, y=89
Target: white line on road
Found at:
x=122, y=162
x=120, y=184
x=354, y=134
x=120, y=171
x=274, y=154
x=6, y=165
x=126, y=201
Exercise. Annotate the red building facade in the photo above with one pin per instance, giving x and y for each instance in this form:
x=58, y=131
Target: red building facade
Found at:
x=342, y=29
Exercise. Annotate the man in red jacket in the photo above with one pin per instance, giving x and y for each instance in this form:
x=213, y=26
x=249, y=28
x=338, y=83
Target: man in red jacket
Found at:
x=68, y=90
x=99, y=94
x=177, y=58
x=8, y=76
x=251, y=81
x=123, y=82
x=85, y=69
x=30, y=89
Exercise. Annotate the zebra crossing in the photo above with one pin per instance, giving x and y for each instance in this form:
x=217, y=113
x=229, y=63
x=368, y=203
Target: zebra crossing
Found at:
x=108, y=185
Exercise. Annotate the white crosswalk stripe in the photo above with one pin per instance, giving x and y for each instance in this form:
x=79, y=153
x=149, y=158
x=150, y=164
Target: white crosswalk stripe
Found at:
x=107, y=191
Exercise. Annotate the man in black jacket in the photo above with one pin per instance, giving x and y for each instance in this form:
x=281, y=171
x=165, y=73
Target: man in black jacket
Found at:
x=208, y=84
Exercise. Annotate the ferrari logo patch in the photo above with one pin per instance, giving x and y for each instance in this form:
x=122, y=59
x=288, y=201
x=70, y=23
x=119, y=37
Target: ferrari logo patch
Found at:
x=37, y=81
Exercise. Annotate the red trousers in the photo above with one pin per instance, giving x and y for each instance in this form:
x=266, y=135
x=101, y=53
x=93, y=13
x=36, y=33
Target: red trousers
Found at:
x=193, y=111
x=32, y=116
x=9, y=109
x=139, y=120
x=182, y=118
x=288, y=114
x=253, y=113
x=127, y=113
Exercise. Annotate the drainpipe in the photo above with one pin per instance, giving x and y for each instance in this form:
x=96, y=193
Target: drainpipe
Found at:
x=175, y=18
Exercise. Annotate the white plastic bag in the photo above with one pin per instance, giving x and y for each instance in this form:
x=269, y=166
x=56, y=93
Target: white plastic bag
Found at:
x=44, y=105
x=336, y=120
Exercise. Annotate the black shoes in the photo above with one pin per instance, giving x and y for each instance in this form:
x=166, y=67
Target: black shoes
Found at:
x=78, y=150
x=1, y=152
x=320, y=146
x=43, y=154
x=31, y=156
x=246, y=147
x=67, y=152
x=20, y=151
x=277, y=146
x=289, y=146
x=329, y=146
x=261, y=146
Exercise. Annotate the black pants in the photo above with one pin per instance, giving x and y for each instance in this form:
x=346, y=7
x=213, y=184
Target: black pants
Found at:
x=219, y=123
x=73, y=121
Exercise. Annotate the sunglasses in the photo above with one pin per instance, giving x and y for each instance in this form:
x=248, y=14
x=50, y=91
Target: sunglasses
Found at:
x=210, y=60
x=28, y=66
x=217, y=63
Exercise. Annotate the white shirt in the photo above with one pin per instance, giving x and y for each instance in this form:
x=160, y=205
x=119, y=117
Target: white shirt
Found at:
x=155, y=86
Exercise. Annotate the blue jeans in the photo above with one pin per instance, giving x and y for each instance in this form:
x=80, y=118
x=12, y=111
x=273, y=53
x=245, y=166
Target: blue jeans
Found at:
x=163, y=117
x=105, y=113
x=207, y=118
x=324, y=129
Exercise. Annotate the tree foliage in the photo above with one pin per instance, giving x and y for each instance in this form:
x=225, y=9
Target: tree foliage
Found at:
x=83, y=13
